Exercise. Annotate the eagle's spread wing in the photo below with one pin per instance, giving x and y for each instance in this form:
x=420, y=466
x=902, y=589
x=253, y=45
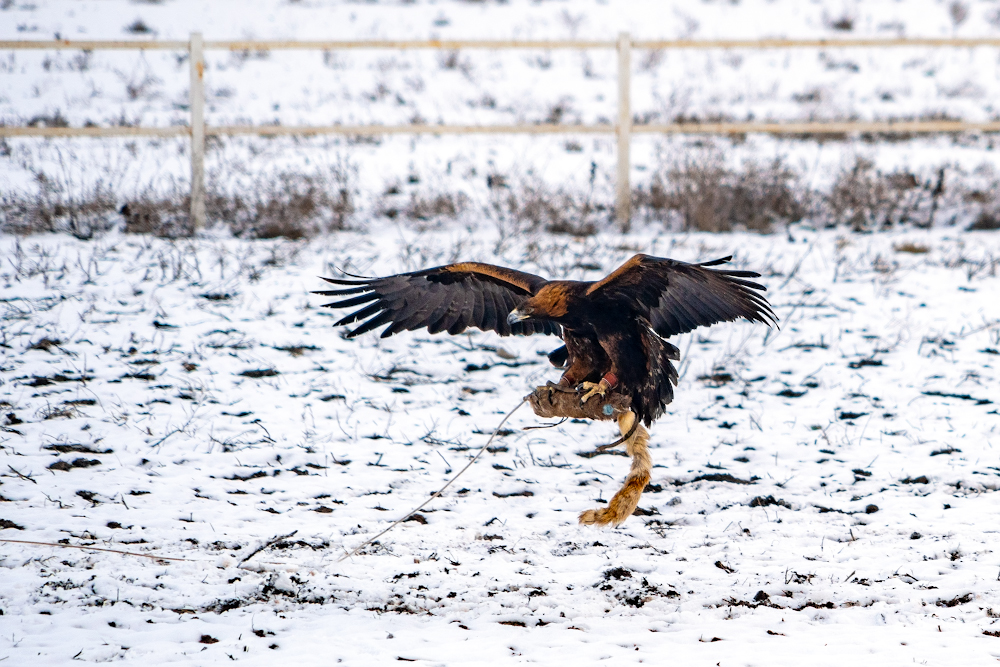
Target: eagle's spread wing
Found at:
x=446, y=298
x=678, y=297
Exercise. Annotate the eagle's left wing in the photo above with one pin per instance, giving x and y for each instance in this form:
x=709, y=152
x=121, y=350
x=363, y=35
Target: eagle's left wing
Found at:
x=678, y=297
x=446, y=298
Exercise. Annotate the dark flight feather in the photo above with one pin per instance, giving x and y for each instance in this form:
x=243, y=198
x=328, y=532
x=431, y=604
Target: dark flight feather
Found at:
x=446, y=298
x=679, y=297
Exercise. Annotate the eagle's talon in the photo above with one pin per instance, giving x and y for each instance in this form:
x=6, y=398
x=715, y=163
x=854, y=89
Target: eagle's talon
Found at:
x=592, y=389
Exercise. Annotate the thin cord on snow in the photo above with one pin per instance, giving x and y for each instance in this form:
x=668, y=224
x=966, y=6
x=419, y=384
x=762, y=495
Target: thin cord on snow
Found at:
x=442, y=489
x=150, y=556
x=86, y=548
x=274, y=540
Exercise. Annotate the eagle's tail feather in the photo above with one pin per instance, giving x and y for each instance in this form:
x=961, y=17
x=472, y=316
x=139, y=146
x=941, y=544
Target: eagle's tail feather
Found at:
x=652, y=394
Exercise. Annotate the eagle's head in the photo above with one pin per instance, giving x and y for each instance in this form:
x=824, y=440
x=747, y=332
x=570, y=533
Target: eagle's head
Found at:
x=550, y=303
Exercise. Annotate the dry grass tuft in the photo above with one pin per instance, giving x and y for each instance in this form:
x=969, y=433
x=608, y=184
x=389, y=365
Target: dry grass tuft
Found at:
x=699, y=192
x=421, y=207
x=532, y=205
x=68, y=193
x=987, y=220
x=693, y=190
x=867, y=199
x=160, y=216
x=56, y=208
x=289, y=205
x=912, y=248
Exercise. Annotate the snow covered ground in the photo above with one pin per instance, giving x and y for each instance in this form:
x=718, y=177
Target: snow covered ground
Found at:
x=823, y=493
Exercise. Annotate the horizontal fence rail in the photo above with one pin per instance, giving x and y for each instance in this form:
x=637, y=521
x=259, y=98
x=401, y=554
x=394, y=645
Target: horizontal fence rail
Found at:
x=623, y=129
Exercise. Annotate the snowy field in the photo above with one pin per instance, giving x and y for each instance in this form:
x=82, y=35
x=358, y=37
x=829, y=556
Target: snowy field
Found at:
x=825, y=491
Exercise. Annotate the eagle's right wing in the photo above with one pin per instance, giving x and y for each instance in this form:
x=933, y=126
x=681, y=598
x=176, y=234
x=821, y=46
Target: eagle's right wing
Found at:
x=678, y=297
x=446, y=298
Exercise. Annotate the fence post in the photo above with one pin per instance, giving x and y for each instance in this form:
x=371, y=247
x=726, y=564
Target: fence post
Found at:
x=197, y=99
x=623, y=191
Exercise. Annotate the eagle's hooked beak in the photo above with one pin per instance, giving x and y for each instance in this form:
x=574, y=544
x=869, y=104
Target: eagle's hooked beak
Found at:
x=516, y=316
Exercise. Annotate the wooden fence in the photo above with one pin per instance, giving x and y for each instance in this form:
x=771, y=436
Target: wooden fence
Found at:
x=622, y=130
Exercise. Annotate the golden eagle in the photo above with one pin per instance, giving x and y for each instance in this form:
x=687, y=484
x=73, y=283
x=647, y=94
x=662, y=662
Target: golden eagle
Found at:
x=615, y=330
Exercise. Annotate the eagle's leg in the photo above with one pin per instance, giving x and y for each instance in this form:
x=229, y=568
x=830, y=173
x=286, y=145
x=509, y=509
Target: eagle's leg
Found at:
x=627, y=498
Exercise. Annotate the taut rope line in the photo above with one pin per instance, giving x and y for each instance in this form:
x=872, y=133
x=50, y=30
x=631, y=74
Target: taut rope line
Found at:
x=442, y=489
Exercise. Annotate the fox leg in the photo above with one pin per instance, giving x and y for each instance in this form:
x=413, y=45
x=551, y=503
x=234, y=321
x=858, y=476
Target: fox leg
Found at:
x=625, y=501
